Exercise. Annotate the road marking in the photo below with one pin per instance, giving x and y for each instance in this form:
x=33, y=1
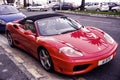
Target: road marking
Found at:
x=4, y=70
x=1, y=63
x=34, y=73
x=8, y=50
x=96, y=21
x=19, y=59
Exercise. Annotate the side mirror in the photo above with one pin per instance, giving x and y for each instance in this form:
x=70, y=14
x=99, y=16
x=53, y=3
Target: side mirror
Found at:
x=28, y=32
x=15, y=26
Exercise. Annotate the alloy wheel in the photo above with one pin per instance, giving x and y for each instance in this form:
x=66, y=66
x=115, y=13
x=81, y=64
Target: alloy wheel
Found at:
x=45, y=60
x=10, y=40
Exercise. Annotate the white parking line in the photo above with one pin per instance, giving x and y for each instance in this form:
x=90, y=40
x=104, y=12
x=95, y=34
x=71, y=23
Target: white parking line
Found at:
x=3, y=39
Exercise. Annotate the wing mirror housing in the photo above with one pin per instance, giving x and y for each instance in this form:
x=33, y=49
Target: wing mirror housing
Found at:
x=15, y=26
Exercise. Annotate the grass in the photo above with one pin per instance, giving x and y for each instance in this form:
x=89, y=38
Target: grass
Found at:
x=95, y=12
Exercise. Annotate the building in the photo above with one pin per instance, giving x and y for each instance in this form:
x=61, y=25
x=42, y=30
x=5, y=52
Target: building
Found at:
x=1, y=1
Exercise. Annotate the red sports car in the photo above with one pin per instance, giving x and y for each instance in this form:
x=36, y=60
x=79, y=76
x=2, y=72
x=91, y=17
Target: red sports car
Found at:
x=61, y=43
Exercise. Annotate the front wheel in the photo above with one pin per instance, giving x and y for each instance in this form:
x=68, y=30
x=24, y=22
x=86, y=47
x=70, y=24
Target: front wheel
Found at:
x=45, y=60
x=98, y=10
x=85, y=9
x=29, y=9
x=10, y=40
x=114, y=10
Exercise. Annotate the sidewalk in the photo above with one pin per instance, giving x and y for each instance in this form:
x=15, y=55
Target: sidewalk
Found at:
x=8, y=69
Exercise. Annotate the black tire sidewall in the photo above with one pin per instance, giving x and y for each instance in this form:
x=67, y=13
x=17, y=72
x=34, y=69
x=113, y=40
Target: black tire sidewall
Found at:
x=12, y=43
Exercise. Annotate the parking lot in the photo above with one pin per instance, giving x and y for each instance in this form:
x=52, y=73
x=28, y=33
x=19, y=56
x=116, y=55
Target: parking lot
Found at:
x=109, y=71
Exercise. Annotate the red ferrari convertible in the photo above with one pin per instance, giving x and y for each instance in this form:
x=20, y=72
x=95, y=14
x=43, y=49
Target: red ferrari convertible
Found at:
x=61, y=43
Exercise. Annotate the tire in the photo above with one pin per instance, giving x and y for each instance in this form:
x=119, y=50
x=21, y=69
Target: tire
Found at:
x=29, y=9
x=98, y=10
x=45, y=60
x=10, y=40
x=54, y=9
x=41, y=9
x=114, y=10
x=79, y=9
x=45, y=10
x=85, y=9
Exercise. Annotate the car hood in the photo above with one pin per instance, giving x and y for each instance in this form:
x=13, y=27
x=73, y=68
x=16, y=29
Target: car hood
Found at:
x=12, y=17
x=85, y=40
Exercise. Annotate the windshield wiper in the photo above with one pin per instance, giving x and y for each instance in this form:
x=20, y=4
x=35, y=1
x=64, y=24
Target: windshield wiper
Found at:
x=67, y=31
x=13, y=12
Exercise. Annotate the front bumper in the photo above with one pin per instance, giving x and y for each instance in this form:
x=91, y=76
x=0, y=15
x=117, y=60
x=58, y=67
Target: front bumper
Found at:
x=81, y=66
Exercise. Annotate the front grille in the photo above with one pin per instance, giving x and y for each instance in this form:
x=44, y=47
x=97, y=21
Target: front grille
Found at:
x=80, y=67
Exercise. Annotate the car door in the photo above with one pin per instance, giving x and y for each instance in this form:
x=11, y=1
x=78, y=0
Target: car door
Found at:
x=93, y=6
x=27, y=37
x=66, y=6
x=89, y=7
x=35, y=7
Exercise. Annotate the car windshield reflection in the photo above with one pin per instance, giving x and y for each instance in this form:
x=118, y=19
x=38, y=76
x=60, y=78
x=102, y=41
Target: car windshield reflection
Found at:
x=57, y=25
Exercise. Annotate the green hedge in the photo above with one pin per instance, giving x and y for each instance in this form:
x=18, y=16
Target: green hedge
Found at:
x=95, y=12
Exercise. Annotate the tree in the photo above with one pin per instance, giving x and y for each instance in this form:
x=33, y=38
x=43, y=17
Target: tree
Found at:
x=82, y=5
x=25, y=3
x=4, y=2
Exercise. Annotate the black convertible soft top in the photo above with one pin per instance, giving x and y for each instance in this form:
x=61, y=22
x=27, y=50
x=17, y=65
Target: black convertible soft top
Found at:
x=41, y=16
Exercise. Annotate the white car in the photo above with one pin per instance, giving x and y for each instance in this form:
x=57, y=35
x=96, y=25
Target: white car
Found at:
x=37, y=7
x=97, y=6
x=116, y=9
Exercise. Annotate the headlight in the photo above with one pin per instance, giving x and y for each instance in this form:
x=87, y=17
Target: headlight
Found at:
x=109, y=38
x=68, y=51
x=2, y=22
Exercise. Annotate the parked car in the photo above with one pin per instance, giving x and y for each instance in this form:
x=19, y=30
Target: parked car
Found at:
x=61, y=43
x=37, y=7
x=97, y=6
x=15, y=5
x=116, y=9
x=79, y=6
x=7, y=14
x=111, y=4
x=64, y=6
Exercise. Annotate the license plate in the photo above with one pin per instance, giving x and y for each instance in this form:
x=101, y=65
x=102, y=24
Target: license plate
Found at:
x=103, y=61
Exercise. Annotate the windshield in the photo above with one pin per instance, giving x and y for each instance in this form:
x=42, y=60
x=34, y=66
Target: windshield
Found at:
x=57, y=25
x=4, y=10
x=36, y=5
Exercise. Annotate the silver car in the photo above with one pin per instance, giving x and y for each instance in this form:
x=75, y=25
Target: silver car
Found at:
x=116, y=9
x=97, y=6
x=37, y=7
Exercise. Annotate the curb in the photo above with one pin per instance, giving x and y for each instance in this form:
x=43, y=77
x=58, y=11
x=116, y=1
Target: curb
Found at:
x=30, y=72
x=89, y=14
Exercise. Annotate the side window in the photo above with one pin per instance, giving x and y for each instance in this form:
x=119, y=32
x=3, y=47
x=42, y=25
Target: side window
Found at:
x=96, y=4
x=29, y=25
x=91, y=4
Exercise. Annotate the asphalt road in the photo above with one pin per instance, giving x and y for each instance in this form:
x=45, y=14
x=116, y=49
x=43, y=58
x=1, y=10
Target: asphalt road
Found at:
x=8, y=69
x=109, y=71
